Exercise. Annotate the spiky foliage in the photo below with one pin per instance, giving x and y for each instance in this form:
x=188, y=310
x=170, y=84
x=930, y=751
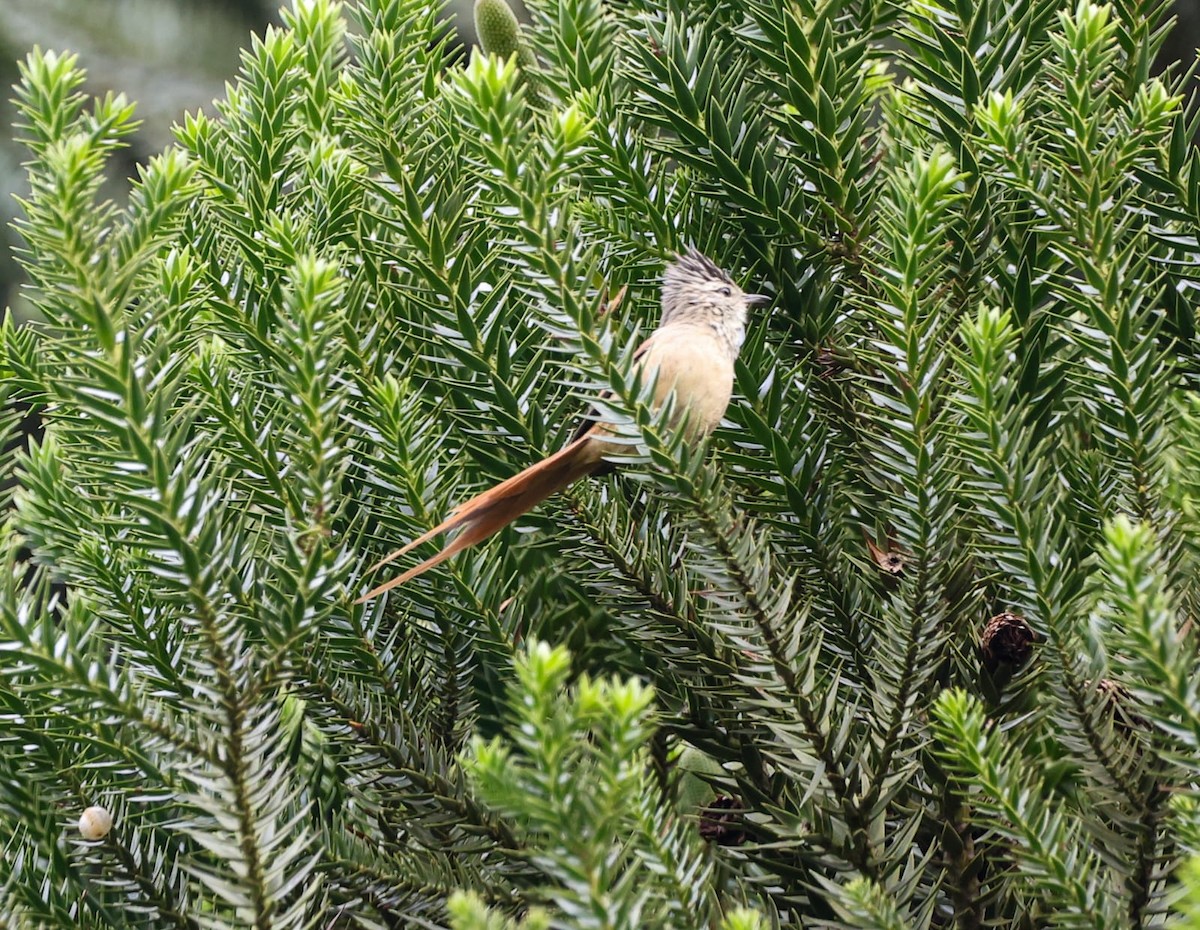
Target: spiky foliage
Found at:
x=578, y=780
x=368, y=285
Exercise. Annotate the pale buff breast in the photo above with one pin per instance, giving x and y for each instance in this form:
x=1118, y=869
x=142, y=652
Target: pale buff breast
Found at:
x=695, y=363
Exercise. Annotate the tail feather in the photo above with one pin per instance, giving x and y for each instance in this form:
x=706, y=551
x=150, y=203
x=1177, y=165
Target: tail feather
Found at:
x=497, y=507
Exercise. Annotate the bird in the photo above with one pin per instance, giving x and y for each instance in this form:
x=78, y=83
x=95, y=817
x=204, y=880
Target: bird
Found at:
x=691, y=353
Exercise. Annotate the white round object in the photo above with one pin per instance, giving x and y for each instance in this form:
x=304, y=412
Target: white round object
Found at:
x=94, y=823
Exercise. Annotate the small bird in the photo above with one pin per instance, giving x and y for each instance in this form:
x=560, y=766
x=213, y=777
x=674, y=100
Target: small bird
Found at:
x=691, y=353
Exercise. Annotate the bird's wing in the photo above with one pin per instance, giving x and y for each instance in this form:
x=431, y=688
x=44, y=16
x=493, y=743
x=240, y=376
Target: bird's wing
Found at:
x=591, y=418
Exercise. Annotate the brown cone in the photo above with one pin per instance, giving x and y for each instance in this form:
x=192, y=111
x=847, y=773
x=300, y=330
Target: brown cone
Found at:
x=1007, y=640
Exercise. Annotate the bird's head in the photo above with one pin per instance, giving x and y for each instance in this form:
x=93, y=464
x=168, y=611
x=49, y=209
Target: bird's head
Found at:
x=696, y=290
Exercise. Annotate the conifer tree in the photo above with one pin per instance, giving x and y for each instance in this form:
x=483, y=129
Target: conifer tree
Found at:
x=909, y=643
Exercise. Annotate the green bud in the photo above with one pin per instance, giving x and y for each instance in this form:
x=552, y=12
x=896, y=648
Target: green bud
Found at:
x=1154, y=106
x=629, y=700
x=467, y=911
x=999, y=119
x=1093, y=19
x=574, y=125
x=742, y=919
x=935, y=179
x=543, y=670
x=1089, y=29
x=488, y=80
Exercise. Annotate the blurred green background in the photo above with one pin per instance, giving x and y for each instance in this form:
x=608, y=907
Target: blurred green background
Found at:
x=175, y=55
x=167, y=55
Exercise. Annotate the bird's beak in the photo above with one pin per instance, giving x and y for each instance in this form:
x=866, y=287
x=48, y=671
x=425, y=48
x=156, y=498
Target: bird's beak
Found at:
x=758, y=300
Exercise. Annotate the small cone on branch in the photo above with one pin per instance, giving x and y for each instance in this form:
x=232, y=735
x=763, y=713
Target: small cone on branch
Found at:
x=721, y=822
x=1007, y=641
x=499, y=34
x=497, y=27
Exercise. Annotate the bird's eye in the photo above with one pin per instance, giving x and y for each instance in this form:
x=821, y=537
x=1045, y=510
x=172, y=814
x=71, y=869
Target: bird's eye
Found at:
x=726, y=292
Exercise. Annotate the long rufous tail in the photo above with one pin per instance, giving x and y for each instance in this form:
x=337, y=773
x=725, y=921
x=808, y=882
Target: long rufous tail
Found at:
x=497, y=507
